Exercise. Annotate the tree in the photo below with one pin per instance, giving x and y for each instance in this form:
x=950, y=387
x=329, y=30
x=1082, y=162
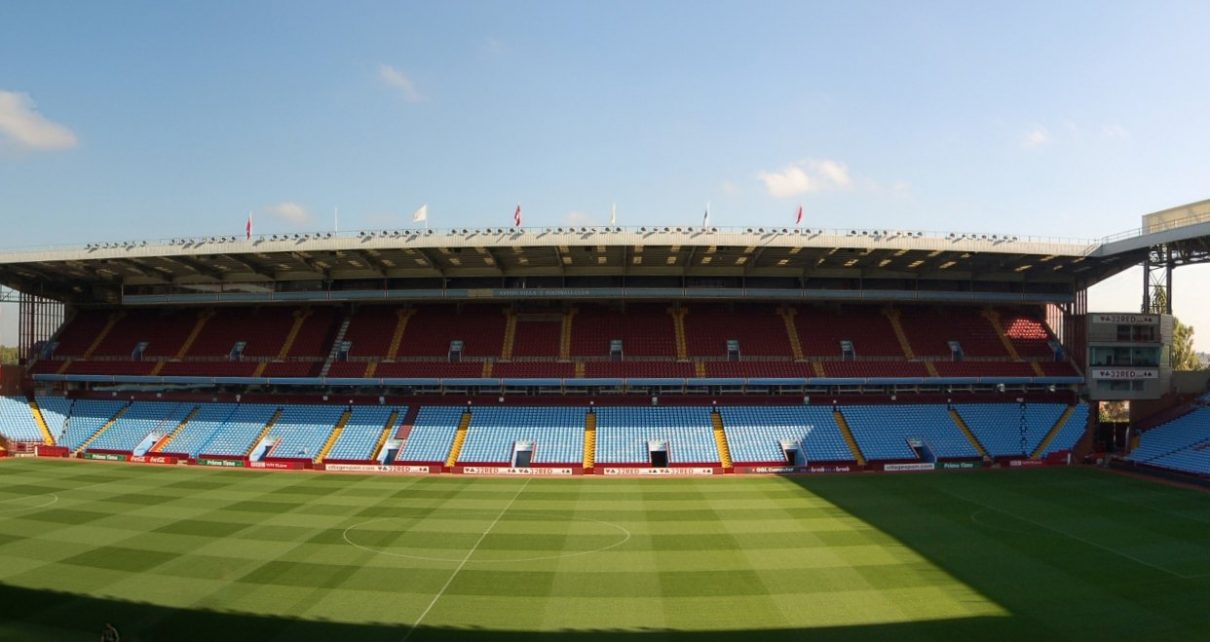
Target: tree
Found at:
x=1184, y=357
x=8, y=355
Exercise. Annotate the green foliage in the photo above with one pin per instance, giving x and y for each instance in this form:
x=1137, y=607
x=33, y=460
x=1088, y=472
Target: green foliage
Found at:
x=8, y=355
x=1184, y=357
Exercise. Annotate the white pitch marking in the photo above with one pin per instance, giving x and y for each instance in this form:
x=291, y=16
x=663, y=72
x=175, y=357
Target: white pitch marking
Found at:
x=464, y=561
x=3, y=508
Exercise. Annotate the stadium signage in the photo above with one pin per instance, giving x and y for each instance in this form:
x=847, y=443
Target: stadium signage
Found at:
x=830, y=469
x=952, y=465
x=503, y=470
x=1025, y=462
x=1125, y=373
x=655, y=472
x=910, y=466
x=153, y=459
x=277, y=465
x=223, y=463
x=105, y=456
x=1136, y=319
x=368, y=468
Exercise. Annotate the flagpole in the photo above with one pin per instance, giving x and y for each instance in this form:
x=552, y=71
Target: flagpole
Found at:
x=335, y=219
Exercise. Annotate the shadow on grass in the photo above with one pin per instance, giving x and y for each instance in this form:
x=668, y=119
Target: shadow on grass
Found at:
x=38, y=615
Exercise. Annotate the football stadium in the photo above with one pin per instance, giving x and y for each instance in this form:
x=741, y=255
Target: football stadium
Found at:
x=600, y=432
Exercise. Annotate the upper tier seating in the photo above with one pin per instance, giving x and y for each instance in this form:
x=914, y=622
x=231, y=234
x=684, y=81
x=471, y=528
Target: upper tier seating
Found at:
x=623, y=433
x=983, y=369
x=431, y=329
x=164, y=331
x=140, y=420
x=425, y=370
x=80, y=331
x=361, y=432
x=141, y=368
x=758, y=328
x=556, y=432
x=209, y=369
x=882, y=432
x=538, y=335
x=755, y=433
x=1029, y=336
x=864, y=369
x=758, y=369
x=821, y=331
x=534, y=370
x=371, y=329
x=645, y=330
x=931, y=330
x=998, y=425
x=649, y=369
x=432, y=435
x=263, y=330
x=17, y=420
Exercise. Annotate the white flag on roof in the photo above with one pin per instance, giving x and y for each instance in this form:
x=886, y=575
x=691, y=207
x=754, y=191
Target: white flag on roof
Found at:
x=421, y=214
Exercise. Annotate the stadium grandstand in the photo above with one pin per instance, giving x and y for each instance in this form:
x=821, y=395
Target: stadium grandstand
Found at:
x=589, y=350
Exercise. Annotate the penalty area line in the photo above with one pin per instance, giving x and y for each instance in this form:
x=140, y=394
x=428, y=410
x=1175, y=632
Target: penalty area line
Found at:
x=465, y=559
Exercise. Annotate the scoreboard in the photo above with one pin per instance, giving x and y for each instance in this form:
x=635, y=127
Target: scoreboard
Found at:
x=1128, y=355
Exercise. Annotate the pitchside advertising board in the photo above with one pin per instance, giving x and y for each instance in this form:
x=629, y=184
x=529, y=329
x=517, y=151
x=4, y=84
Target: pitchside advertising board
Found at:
x=656, y=472
x=1128, y=355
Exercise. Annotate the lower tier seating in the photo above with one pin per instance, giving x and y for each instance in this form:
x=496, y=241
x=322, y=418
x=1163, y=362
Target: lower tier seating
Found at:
x=624, y=434
x=756, y=434
x=556, y=435
x=17, y=420
x=361, y=432
x=1181, y=444
x=143, y=418
x=998, y=425
x=432, y=435
x=302, y=430
x=238, y=432
x=884, y=432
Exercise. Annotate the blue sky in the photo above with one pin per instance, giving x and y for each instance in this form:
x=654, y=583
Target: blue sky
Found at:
x=152, y=120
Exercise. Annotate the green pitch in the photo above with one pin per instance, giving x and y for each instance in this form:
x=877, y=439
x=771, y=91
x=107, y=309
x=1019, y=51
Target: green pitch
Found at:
x=197, y=554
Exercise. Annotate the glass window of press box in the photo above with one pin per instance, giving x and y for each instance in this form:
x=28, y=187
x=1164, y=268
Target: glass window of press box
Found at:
x=1121, y=385
x=1137, y=333
x=1147, y=356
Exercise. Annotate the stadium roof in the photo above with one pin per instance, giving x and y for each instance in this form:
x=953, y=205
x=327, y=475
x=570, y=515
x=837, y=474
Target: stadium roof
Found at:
x=103, y=271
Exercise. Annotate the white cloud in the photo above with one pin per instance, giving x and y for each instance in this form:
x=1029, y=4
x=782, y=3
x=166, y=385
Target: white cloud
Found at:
x=24, y=127
x=290, y=212
x=806, y=176
x=399, y=80
x=1036, y=137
